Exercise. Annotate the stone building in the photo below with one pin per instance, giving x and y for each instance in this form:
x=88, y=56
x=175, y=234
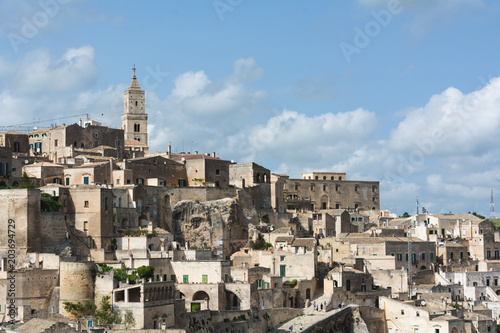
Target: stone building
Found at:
x=20, y=213
x=135, y=118
x=18, y=143
x=152, y=304
x=6, y=166
x=45, y=173
x=153, y=171
x=423, y=254
x=53, y=142
x=204, y=170
x=90, y=212
x=332, y=222
x=406, y=317
x=98, y=173
x=325, y=193
x=248, y=174
x=450, y=253
x=348, y=279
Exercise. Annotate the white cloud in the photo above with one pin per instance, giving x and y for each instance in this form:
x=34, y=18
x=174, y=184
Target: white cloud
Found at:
x=201, y=113
x=41, y=72
x=304, y=141
x=452, y=123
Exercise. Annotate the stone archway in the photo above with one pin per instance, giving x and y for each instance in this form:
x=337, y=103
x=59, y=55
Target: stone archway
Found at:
x=200, y=301
x=143, y=220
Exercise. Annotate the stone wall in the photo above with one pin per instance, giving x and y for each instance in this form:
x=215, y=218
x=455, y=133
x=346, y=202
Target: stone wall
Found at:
x=53, y=232
x=374, y=318
x=76, y=283
x=22, y=208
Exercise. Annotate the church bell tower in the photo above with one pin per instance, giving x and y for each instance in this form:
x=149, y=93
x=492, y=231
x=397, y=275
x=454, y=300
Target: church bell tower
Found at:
x=134, y=118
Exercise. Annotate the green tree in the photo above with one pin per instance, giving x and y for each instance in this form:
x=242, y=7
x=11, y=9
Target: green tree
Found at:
x=478, y=215
x=128, y=319
x=80, y=310
x=26, y=182
x=145, y=272
x=405, y=214
x=106, y=315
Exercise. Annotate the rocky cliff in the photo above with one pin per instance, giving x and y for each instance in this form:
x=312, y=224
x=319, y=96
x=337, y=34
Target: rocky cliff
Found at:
x=203, y=224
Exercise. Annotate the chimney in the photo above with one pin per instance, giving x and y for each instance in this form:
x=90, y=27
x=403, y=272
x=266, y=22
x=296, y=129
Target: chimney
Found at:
x=213, y=154
x=80, y=122
x=196, y=152
x=169, y=151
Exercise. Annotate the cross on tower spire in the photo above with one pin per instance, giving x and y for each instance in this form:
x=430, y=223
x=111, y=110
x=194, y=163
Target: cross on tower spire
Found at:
x=134, y=69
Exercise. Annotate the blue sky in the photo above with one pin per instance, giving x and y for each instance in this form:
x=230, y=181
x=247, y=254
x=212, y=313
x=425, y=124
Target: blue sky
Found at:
x=400, y=91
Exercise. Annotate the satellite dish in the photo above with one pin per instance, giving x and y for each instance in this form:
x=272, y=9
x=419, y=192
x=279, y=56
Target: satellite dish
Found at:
x=422, y=303
x=26, y=161
x=183, y=159
x=32, y=260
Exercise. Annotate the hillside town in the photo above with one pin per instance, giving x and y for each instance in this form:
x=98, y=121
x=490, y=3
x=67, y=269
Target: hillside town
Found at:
x=98, y=234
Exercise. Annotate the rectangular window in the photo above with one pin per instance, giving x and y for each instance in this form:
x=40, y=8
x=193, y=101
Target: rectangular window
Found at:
x=217, y=183
x=185, y=279
x=86, y=180
x=324, y=187
x=117, y=182
x=67, y=181
x=106, y=204
x=282, y=258
x=423, y=255
x=282, y=270
x=85, y=225
x=400, y=257
x=407, y=257
x=226, y=278
x=204, y=278
x=172, y=278
x=431, y=255
x=85, y=203
x=217, y=171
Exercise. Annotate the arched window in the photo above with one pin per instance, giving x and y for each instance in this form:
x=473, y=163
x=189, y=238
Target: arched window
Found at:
x=135, y=103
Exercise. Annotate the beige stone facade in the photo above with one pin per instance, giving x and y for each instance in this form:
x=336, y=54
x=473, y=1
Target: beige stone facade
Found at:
x=204, y=170
x=135, y=118
x=317, y=194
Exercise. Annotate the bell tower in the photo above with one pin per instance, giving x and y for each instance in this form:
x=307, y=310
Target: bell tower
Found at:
x=134, y=118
